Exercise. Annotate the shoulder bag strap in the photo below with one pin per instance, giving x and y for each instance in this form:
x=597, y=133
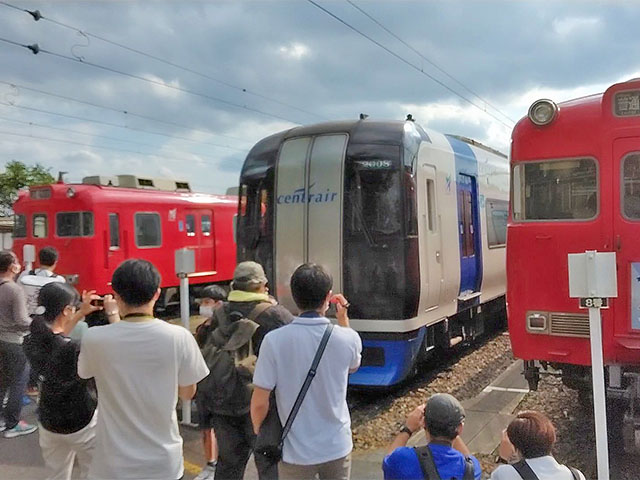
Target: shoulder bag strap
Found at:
x=524, y=470
x=307, y=382
x=575, y=472
x=427, y=464
x=258, y=310
x=469, y=469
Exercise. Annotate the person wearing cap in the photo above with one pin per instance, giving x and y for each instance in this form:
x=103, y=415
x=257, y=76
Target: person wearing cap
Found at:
x=210, y=298
x=444, y=456
x=232, y=425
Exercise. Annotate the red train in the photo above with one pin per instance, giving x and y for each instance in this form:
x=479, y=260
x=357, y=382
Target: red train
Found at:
x=576, y=187
x=105, y=220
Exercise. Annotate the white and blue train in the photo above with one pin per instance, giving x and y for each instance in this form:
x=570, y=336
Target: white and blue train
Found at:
x=410, y=222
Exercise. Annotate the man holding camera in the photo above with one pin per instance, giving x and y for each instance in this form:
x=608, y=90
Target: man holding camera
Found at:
x=319, y=442
x=141, y=365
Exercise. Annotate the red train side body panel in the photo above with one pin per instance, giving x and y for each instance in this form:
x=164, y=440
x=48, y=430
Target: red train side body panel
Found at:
x=198, y=221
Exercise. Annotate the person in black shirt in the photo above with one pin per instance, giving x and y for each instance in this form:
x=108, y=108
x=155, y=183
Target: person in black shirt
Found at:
x=67, y=408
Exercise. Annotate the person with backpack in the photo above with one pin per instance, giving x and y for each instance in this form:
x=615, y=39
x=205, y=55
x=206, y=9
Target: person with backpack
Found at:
x=307, y=364
x=210, y=298
x=527, y=443
x=444, y=457
x=230, y=352
x=14, y=368
x=67, y=408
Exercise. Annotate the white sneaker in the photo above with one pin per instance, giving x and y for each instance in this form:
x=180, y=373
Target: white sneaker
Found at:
x=207, y=473
x=22, y=428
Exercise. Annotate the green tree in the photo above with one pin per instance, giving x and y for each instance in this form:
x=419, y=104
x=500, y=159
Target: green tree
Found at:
x=18, y=175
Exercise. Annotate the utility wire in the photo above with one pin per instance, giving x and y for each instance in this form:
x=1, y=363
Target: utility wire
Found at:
x=432, y=63
x=76, y=132
x=71, y=142
x=126, y=112
x=36, y=49
x=39, y=16
x=407, y=62
x=101, y=122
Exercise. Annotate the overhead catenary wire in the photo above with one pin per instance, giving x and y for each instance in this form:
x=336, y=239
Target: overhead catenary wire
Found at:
x=93, y=135
x=110, y=124
x=410, y=64
x=117, y=110
x=37, y=50
x=426, y=59
x=71, y=142
x=162, y=60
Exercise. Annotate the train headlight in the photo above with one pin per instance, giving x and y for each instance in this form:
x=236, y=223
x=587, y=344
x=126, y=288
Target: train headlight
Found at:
x=537, y=322
x=542, y=112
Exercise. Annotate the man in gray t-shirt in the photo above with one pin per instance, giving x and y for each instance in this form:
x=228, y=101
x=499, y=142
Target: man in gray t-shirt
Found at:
x=14, y=325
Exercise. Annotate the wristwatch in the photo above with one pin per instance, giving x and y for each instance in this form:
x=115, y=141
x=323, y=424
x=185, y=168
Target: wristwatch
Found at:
x=406, y=430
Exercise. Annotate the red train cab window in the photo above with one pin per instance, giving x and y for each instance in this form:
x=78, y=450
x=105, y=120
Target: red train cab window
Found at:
x=205, y=224
x=114, y=231
x=74, y=224
x=40, y=227
x=563, y=189
x=20, y=226
x=148, y=230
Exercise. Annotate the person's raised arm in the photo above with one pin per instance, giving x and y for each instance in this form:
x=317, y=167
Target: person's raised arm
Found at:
x=259, y=407
x=413, y=423
x=459, y=445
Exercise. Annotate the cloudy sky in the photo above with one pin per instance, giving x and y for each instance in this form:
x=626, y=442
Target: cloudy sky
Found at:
x=201, y=82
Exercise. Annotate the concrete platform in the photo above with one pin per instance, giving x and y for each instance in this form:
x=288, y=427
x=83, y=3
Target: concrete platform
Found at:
x=487, y=415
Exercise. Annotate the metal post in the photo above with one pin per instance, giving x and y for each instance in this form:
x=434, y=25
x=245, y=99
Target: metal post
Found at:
x=599, y=398
x=184, y=316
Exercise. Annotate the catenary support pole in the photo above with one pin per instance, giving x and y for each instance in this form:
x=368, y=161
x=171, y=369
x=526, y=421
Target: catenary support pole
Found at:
x=599, y=397
x=184, y=317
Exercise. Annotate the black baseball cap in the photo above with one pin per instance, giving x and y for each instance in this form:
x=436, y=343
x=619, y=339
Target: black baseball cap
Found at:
x=444, y=410
x=214, y=292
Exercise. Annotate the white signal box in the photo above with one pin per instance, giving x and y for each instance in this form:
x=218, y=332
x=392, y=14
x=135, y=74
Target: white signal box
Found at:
x=592, y=274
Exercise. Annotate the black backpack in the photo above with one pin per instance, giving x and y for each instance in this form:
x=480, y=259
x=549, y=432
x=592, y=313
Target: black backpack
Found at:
x=230, y=356
x=428, y=466
x=527, y=473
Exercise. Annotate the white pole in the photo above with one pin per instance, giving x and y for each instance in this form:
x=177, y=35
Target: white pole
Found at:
x=184, y=316
x=599, y=398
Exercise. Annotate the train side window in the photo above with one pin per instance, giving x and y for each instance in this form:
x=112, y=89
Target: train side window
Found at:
x=114, y=231
x=631, y=186
x=74, y=224
x=148, y=233
x=431, y=205
x=205, y=225
x=40, y=225
x=497, y=212
x=556, y=190
x=190, y=221
x=20, y=226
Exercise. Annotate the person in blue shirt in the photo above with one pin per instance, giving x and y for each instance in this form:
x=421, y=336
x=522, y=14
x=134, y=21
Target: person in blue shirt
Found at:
x=445, y=456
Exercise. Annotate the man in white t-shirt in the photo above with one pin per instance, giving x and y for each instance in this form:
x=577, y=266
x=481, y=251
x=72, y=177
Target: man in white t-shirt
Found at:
x=141, y=365
x=319, y=442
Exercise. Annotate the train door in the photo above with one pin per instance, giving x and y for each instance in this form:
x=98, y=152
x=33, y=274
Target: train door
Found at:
x=191, y=236
x=470, y=269
x=115, y=250
x=308, y=209
x=626, y=160
x=432, y=240
x=206, y=243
